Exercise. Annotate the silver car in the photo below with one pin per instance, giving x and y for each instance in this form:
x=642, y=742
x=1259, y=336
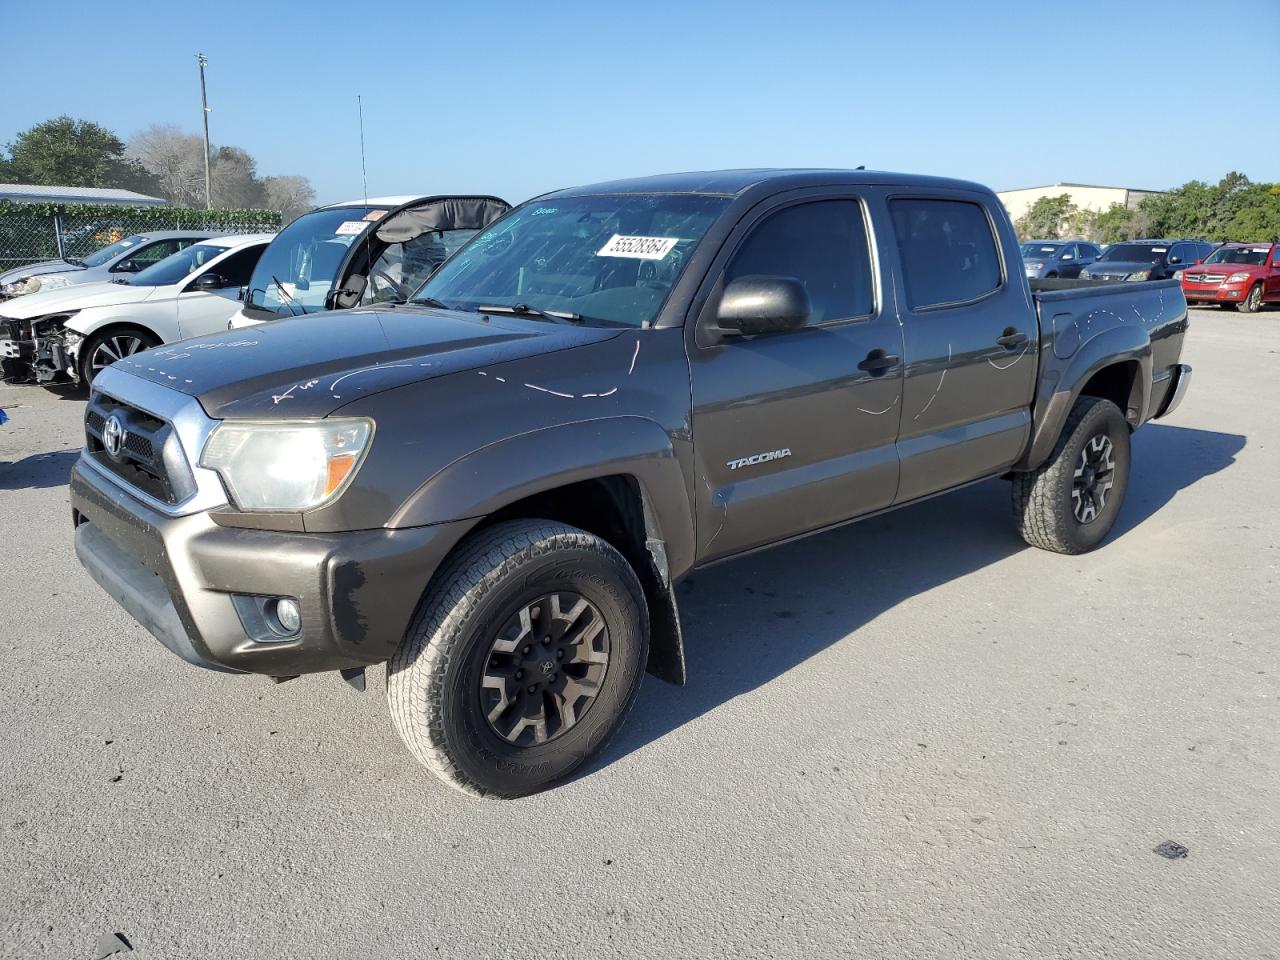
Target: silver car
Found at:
x=126, y=256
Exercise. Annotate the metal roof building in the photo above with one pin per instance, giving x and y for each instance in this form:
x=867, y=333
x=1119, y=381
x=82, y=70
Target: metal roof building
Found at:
x=32, y=193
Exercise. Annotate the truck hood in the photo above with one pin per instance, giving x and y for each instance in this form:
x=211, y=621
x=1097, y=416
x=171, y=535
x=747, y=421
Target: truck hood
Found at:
x=310, y=366
x=101, y=294
x=38, y=270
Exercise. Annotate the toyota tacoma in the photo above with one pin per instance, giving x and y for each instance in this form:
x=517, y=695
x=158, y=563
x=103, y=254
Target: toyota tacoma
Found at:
x=492, y=484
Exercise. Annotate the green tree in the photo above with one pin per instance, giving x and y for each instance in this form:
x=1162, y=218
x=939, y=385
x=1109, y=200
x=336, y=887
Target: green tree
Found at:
x=1116, y=223
x=1046, y=218
x=73, y=153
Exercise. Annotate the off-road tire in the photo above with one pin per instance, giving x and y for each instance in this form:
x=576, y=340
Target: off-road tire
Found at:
x=1252, y=301
x=1043, y=508
x=433, y=680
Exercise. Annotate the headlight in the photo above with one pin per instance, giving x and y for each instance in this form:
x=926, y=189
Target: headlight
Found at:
x=1177, y=274
x=1084, y=274
x=1238, y=277
x=1139, y=275
x=20, y=288
x=1034, y=265
x=286, y=465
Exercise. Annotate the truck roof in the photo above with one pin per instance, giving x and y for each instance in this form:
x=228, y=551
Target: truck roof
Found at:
x=734, y=182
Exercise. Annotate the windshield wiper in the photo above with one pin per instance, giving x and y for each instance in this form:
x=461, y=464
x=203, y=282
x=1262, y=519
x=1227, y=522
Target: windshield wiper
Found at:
x=288, y=297
x=431, y=302
x=124, y=280
x=524, y=310
x=73, y=261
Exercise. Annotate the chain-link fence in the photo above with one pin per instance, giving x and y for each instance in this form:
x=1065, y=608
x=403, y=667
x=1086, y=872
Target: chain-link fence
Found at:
x=33, y=232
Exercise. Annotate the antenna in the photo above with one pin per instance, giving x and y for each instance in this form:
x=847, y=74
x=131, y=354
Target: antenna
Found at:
x=364, y=175
x=204, y=109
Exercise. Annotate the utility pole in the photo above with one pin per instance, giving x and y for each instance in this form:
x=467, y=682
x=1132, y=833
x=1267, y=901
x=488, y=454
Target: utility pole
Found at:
x=204, y=109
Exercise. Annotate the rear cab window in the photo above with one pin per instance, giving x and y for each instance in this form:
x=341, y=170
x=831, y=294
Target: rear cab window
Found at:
x=947, y=250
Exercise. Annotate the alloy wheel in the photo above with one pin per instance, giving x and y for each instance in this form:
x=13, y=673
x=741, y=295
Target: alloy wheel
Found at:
x=544, y=669
x=112, y=348
x=1093, y=479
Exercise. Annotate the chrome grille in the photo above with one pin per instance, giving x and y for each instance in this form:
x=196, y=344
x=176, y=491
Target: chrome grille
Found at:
x=150, y=457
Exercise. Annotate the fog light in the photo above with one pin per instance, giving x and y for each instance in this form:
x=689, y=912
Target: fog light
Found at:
x=288, y=616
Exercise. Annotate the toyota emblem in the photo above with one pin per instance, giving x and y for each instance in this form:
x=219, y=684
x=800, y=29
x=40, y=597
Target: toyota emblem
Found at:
x=113, y=434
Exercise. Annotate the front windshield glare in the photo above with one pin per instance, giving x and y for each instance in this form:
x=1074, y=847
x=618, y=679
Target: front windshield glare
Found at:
x=1134, y=253
x=1252, y=256
x=607, y=259
x=176, y=266
x=99, y=257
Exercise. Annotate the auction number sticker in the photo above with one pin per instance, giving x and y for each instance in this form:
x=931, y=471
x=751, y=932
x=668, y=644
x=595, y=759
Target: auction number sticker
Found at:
x=349, y=228
x=638, y=248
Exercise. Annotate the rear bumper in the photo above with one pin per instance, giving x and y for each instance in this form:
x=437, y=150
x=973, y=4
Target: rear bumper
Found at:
x=191, y=582
x=1181, y=376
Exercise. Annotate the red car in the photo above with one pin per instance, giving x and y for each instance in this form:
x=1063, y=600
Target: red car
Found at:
x=1243, y=275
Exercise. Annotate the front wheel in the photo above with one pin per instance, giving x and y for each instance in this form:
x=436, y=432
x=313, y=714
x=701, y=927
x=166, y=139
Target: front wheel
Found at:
x=1070, y=503
x=525, y=655
x=100, y=350
x=1253, y=302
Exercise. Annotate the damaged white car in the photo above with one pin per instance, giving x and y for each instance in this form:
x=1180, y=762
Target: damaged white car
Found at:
x=70, y=335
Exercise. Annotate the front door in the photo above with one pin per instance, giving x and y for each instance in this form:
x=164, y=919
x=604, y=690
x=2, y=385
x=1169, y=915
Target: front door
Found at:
x=202, y=312
x=790, y=434
x=970, y=334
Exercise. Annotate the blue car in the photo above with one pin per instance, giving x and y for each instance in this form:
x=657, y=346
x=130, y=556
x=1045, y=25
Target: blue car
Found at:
x=1048, y=259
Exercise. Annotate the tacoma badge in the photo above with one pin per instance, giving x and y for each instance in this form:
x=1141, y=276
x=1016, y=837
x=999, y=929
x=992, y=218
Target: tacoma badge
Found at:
x=757, y=458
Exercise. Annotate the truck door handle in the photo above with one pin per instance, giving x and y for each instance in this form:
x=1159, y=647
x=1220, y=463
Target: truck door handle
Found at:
x=1011, y=338
x=877, y=362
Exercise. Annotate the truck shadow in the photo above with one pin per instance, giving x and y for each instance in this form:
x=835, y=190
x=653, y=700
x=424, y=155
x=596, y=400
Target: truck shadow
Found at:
x=748, y=621
x=38, y=471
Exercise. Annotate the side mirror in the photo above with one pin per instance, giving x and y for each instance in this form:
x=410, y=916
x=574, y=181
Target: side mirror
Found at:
x=1200, y=260
x=1175, y=259
x=347, y=296
x=209, y=282
x=1066, y=257
x=751, y=306
x=242, y=295
x=126, y=266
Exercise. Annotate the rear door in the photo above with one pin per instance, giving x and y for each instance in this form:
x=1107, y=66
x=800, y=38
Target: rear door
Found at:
x=202, y=312
x=970, y=335
x=790, y=434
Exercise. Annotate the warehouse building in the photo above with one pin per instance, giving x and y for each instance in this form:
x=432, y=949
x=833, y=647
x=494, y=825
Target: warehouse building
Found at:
x=1084, y=195
x=32, y=193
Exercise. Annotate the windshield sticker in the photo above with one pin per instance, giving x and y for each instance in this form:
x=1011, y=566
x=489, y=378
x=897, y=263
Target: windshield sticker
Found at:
x=1159, y=249
x=350, y=228
x=543, y=211
x=375, y=215
x=638, y=248
x=127, y=243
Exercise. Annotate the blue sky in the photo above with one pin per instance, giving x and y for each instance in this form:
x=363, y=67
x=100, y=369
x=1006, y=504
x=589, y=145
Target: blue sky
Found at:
x=517, y=98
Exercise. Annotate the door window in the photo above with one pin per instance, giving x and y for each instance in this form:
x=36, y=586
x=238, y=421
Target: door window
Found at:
x=155, y=252
x=947, y=249
x=238, y=268
x=823, y=245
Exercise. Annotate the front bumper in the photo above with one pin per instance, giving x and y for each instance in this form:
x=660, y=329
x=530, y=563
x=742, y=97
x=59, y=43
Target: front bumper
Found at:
x=1220, y=294
x=191, y=582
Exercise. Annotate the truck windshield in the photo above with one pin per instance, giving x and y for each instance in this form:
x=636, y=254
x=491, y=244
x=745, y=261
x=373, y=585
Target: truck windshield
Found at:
x=608, y=259
x=110, y=252
x=1135, y=253
x=300, y=265
x=1253, y=256
x=176, y=266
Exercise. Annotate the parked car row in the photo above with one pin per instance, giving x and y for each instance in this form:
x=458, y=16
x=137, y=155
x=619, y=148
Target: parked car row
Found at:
x=1240, y=275
x=64, y=321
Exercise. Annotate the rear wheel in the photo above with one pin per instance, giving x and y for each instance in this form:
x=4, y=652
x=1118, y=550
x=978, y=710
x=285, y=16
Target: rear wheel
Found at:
x=1253, y=302
x=1070, y=503
x=525, y=655
x=100, y=350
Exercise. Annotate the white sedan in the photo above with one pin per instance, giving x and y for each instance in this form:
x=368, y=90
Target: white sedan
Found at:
x=76, y=333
